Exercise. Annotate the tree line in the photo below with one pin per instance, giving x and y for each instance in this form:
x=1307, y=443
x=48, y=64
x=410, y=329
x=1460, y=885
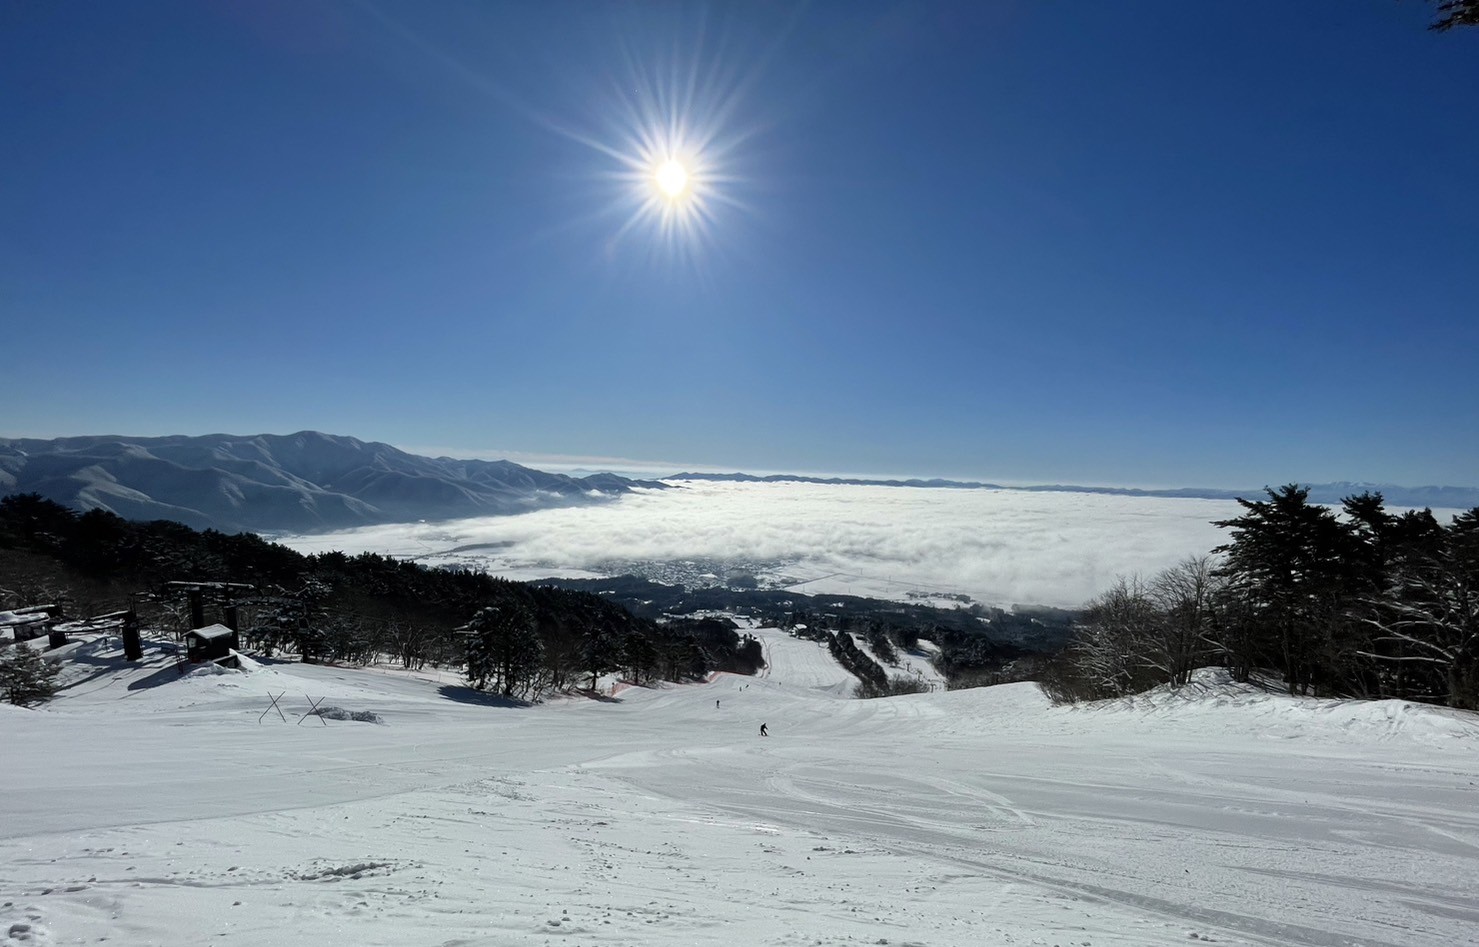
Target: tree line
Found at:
x=1365, y=603
x=514, y=638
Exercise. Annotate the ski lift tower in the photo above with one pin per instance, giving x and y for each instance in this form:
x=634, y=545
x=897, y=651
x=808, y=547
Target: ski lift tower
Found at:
x=221, y=594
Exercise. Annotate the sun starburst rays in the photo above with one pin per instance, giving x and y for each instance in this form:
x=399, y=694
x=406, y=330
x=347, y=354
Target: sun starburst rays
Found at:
x=671, y=140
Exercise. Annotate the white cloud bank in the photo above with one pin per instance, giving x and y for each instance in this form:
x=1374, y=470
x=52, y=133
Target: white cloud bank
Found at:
x=998, y=546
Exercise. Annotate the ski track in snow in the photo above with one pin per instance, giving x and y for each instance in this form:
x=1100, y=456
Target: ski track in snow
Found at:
x=141, y=808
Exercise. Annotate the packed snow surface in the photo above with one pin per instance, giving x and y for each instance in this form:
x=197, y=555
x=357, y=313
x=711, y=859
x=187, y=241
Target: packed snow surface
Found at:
x=143, y=807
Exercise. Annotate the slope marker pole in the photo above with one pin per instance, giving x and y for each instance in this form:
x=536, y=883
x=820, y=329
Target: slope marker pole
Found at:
x=274, y=706
x=313, y=708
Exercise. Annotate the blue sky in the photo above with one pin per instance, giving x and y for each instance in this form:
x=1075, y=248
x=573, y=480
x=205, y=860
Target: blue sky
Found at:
x=1160, y=243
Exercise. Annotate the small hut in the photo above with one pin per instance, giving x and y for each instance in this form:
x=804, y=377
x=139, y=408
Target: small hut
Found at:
x=31, y=622
x=211, y=643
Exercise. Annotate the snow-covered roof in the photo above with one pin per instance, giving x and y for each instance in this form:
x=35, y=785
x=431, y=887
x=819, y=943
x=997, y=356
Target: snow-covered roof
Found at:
x=211, y=632
x=89, y=625
x=21, y=617
x=210, y=585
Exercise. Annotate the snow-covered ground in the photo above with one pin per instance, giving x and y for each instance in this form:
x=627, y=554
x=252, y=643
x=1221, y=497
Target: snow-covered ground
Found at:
x=144, y=808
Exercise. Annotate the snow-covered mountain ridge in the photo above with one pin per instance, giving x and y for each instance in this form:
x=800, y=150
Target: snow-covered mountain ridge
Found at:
x=303, y=482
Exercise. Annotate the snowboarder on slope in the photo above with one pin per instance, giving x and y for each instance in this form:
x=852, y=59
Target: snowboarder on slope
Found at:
x=763, y=732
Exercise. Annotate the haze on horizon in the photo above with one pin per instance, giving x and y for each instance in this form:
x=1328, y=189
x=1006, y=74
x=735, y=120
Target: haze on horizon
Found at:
x=1216, y=246
x=646, y=469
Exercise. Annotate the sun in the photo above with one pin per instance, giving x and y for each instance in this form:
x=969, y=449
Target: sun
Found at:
x=672, y=134
x=671, y=179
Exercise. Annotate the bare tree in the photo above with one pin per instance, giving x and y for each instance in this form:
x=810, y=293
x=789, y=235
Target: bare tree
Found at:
x=35, y=587
x=1185, y=597
x=1109, y=647
x=409, y=639
x=1139, y=634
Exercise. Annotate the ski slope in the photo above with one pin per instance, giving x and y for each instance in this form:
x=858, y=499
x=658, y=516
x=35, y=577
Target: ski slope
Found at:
x=800, y=663
x=913, y=664
x=146, y=808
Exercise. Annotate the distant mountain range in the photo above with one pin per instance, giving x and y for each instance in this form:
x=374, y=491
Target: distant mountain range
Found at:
x=1462, y=498
x=304, y=482
x=312, y=482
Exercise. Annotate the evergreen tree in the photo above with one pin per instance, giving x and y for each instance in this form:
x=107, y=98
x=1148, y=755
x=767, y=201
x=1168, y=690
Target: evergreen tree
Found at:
x=1453, y=13
x=504, y=651
x=641, y=657
x=1426, y=624
x=1291, y=561
x=602, y=651
x=26, y=677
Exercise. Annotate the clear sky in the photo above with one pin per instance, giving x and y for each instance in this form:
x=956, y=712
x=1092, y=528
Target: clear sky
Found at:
x=1161, y=243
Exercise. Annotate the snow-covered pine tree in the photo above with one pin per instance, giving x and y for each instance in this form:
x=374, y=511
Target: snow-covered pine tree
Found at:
x=504, y=650
x=26, y=677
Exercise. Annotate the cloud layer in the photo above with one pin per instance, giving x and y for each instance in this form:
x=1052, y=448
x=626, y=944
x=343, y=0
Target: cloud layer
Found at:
x=997, y=546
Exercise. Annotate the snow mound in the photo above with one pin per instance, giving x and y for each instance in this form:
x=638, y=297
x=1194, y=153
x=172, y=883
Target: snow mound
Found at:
x=244, y=665
x=339, y=713
x=209, y=669
x=354, y=871
x=1215, y=699
x=26, y=932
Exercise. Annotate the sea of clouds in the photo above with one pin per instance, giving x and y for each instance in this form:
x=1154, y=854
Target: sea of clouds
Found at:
x=998, y=546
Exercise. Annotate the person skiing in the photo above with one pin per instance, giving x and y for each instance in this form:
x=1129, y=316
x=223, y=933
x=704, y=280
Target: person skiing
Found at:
x=763, y=731
x=716, y=705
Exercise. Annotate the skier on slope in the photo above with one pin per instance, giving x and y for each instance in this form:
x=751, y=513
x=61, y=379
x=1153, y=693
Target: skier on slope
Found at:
x=763, y=731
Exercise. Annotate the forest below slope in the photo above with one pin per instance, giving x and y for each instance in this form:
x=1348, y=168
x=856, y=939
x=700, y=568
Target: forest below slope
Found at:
x=513, y=637
x=334, y=607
